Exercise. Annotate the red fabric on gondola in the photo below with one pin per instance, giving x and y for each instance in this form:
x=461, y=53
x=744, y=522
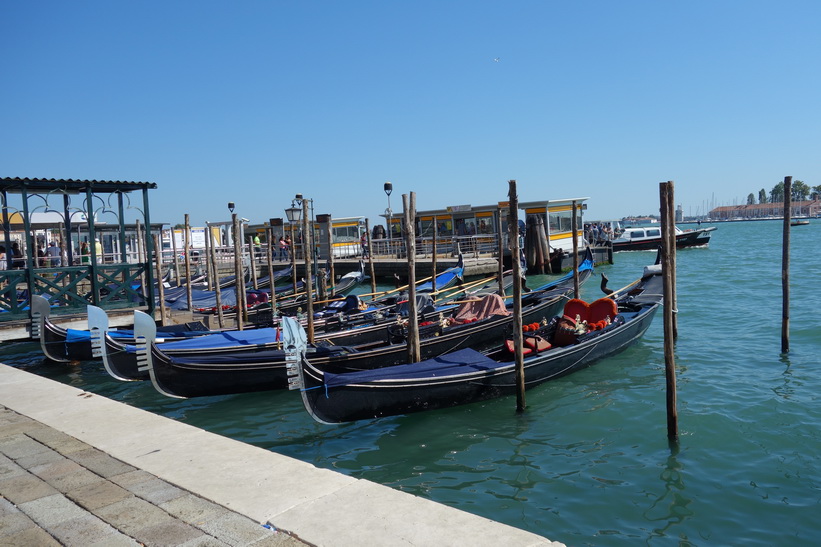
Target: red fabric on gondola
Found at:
x=576, y=307
x=601, y=309
x=476, y=310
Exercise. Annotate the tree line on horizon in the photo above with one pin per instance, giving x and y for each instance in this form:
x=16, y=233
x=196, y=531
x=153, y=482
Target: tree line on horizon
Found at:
x=800, y=192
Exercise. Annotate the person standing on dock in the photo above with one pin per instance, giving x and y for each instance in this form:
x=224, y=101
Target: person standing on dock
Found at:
x=53, y=252
x=98, y=250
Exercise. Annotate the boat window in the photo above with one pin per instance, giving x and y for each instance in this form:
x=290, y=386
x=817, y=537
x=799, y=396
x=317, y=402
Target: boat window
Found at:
x=654, y=232
x=561, y=221
x=636, y=233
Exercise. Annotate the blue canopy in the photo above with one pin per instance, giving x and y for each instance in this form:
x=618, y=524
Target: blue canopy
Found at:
x=457, y=362
x=236, y=338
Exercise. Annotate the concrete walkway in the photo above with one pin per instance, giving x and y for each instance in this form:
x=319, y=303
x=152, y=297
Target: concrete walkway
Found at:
x=80, y=469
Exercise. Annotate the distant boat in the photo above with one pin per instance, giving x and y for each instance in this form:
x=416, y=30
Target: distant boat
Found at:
x=799, y=222
x=649, y=238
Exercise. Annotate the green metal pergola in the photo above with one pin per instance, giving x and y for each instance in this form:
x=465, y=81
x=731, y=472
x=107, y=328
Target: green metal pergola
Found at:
x=72, y=286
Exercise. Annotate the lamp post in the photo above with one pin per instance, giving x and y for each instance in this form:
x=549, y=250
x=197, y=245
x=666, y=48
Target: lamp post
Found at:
x=388, y=211
x=294, y=213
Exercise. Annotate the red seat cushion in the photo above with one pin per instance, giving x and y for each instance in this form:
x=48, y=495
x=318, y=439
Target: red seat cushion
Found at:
x=576, y=307
x=529, y=345
x=601, y=309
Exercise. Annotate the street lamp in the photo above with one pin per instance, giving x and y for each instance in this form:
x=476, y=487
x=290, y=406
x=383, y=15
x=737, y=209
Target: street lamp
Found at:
x=231, y=206
x=388, y=211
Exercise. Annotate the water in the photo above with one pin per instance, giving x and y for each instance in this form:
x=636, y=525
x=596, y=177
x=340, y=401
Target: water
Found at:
x=589, y=462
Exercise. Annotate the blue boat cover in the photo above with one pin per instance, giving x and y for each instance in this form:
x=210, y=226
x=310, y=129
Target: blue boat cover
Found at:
x=444, y=279
x=235, y=338
x=457, y=362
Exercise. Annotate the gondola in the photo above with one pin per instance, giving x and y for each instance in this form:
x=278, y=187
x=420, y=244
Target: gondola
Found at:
x=66, y=345
x=351, y=324
x=246, y=371
x=467, y=375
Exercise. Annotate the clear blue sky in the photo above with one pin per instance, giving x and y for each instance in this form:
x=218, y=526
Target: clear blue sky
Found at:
x=253, y=102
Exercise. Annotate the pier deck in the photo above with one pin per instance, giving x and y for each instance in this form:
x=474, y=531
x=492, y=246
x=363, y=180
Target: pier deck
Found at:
x=80, y=469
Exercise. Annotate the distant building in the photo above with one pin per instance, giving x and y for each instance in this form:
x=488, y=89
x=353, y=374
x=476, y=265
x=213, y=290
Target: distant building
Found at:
x=638, y=221
x=766, y=210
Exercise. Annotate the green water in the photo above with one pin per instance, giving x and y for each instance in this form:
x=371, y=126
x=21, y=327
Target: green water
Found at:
x=589, y=463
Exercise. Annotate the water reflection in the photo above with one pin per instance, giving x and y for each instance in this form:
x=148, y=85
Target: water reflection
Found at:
x=672, y=507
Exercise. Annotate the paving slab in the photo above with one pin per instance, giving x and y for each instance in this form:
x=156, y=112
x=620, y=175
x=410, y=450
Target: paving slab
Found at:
x=24, y=488
x=82, y=530
x=14, y=522
x=131, y=515
x=51, y=510
x=99, y=462
x=94, y=496
x=29, y=538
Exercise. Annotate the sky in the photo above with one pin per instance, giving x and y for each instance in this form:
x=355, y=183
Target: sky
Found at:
x=256, y=101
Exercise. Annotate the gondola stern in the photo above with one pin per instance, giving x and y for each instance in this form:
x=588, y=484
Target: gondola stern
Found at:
x=296, y=346
x=145, y=334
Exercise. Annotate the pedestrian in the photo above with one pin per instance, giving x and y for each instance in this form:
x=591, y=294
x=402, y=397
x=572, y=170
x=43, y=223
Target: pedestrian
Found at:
x=17, y=260
x=283, y=249
x=53, y=252
x=257, y=246
x=363, y=241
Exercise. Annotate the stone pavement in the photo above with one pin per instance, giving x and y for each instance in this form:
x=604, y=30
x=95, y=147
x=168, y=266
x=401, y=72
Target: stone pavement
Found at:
x=57, y=490
x=85, y=470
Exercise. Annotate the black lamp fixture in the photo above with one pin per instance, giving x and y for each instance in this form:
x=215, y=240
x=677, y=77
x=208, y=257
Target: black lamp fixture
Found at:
x=231, y=206
x=388, y=211
x=293, y=213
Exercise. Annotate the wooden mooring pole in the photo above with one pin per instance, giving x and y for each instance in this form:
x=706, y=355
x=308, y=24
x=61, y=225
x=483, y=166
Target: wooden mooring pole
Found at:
x=217, y=289
x=409, y=206
x=434, y=253
x=668, y=249
x=239, y=280
x=785, y=268
x=307, y=251
x=269, y=255
x=574, y=228
x=370, y=255
x=501, y=250
x=252, y=251
x=513, y=227
x=160, y=285
x=187, y=254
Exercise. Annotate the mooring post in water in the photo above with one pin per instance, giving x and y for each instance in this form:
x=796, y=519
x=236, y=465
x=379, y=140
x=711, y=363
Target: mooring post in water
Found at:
x=239, y=280
x=187, y=254
x=370, y=254
x=501, y=251
x=671, y=234
x=269, y=236
x=209, y=275
x=668, y=248
x=409, y=206
x=142, y=253
x=513, y=227
x=176, y=257
x=307, y=250
x=217, y=289
x=160, y=286
x=251, y=252
x=574, y=226
x=434, y=252
x=785, y=268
